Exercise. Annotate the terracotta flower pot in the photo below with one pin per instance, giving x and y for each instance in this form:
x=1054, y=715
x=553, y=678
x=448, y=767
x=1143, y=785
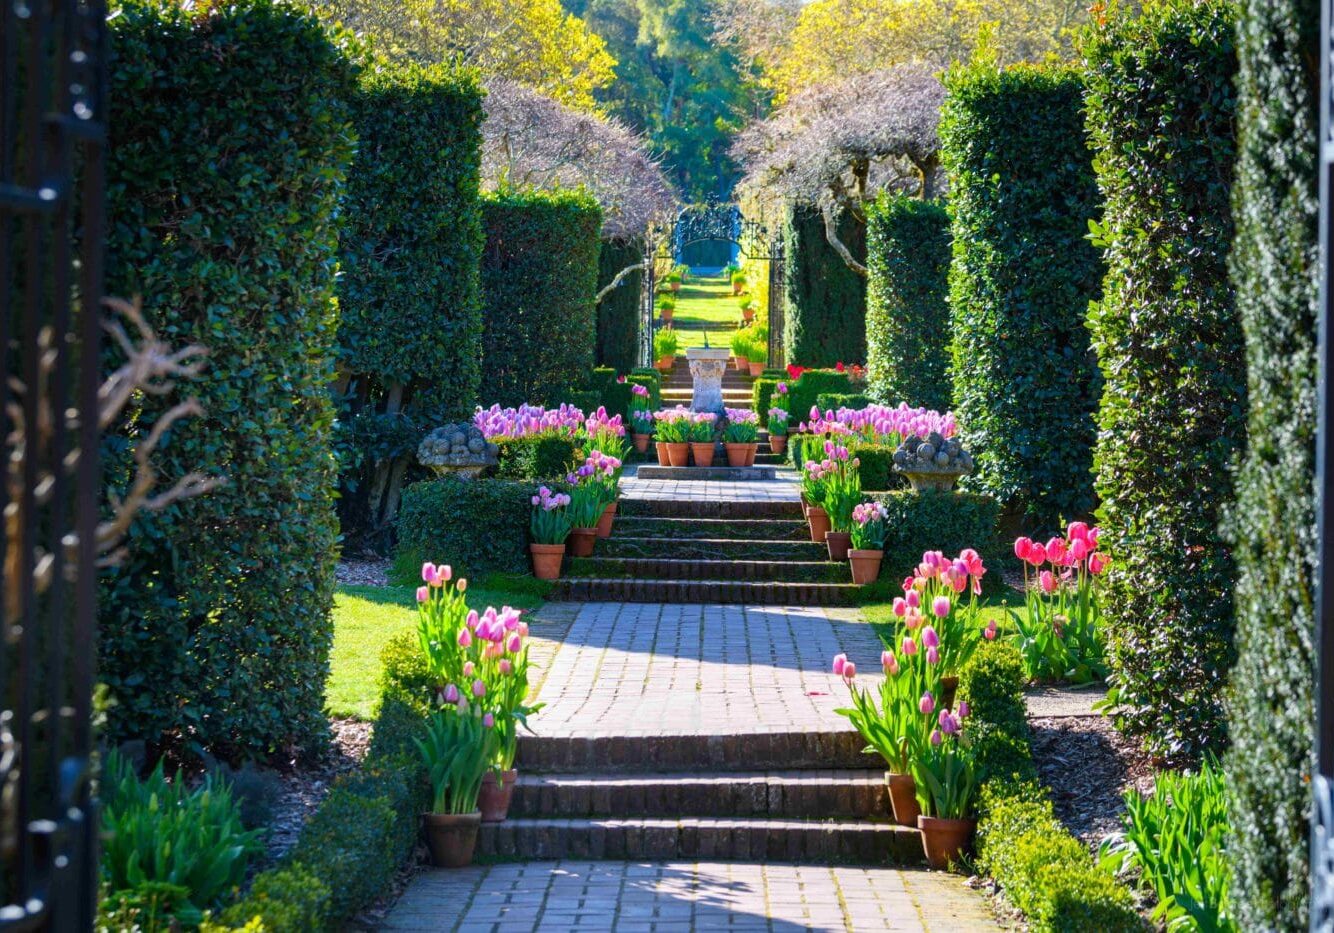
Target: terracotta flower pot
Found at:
x=605, y=520
x=865, y=565
x=751, y=450
x=546, y=560
x=666, y=363
x=818, y=519
x=666, y=315
x=452, y=837
x=495, y=796
x=943, y=841
x=756, y=369
x=736, y=454
x=581, y=541
x=660, y=449
x=675, y=287
x=741, y=363
x=703, y=453
x=678, y=454
x=949, y=687
x=641, y=442
x=777, y=443
x=838, y=543
x=903, y=798
x=748, y=315
x=737, y=290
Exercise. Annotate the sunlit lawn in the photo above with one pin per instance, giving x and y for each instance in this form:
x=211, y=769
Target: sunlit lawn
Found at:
x=990, y=606
x=706, y=301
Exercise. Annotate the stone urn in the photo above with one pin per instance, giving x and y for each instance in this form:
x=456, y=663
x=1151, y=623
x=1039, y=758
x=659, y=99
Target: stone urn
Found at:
x=932, y=462
x=457, y=450
x=707, y=366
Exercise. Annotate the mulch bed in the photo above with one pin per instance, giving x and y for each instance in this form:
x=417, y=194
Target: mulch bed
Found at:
x=373, y=572
x=304, y=788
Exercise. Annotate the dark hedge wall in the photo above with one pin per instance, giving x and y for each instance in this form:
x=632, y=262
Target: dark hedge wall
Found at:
x=1161, y=115
x=825, y=317
x=539, y=278
x=907, y=302
x=1275, y=267
x=1023, y=272
x=618, y=312
x=230, y=142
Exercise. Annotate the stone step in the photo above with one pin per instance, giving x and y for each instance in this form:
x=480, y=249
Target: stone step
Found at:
x=795, y=795
x=735, y=393
x=693, y=323
x=756, y=529
x=841, y=843
x=646, y=568
x=733, y=592
x=734, y=753
x=711, y=474
x=619, y=545
x=709, y=508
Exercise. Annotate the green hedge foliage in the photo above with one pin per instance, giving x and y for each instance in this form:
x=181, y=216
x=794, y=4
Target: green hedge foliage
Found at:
x=1172, y=418
x=907, y=302
x=877, y=466
x=479, y=526
x=825, y=317
x=229, y=150
x=1021, y=196
x=935, y=521
x=762, y=397
x=1275, y=267
x=836, y=400
x=539, y=278
x=618, y=312
x=535, y=458
x=806, y=392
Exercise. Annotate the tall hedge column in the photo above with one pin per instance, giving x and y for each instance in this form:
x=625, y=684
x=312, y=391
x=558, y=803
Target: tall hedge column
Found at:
x=1021, y=196
x=825, y=319
x=618, y=311
x=230, y=143
x=1275, y=265
x=1161, y=116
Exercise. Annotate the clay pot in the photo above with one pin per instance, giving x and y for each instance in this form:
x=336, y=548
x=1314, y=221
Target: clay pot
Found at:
x=903, y=798
x=751, y=450
x=737, y=290
x=943, y=841
x=581, y=541
x=452, y=837
x=777, y=443
x=605, y=520
x=674, y=286
x=748, y=315
x=678, y=454
x=741, y=363
x=818, y=519
x=661, y=450
x=666, y=363
x=666, y=315
x=641, y=442
x=949, y=687
x=838, y=543
x=495, y=796
x=703, y=454
x=756, y=369
x=546, y=560
x=865, y=565
x=736, y=454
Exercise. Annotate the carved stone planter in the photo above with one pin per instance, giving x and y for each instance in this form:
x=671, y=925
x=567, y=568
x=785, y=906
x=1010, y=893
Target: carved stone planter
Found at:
x=457, y=450
x=933, y=463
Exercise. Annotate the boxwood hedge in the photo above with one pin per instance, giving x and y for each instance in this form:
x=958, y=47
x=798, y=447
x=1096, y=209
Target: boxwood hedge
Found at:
x=825, y=320
x=481, y=524
x=618, y=311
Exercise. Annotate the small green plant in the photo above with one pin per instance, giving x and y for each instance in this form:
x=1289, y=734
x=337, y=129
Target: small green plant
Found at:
x=665, y=343
x=757, y=348
x=743, y=426
x=666, y=302
x=738, y=278
x=701, y=427
x=740, y=340
x=459, y=742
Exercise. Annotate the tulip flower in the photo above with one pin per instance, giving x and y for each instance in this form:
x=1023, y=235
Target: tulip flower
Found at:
x=515, y=644
x=1047, y=580
x=840, y=661
x=1098, y=562
x=989, y=633
x=913, y=599
x=423, y=594
x=1079, y=549
x=465, y=638
x=900, y=605
x=932, y=655
x=445, y=573
x=890, y=663
x=488, y=720
x=927, y=703
x=936, y=738
x=505, y=666
x=1037, y=554
x=451, y=694
x=428, y=572
x=1077, y=531
x=849, y=671
x=1021, y=548
x=478, y=688
x=941, y=606
x=462, y=585
x=963, y=709
x=909, y=647
x=468, y=668
x=929, y=637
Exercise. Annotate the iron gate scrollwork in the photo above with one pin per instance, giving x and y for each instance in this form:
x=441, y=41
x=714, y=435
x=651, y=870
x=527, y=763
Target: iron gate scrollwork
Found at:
x=52, y=135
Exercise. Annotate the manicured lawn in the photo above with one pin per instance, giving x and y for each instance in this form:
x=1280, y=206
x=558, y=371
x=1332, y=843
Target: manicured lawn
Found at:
x=707, y=302
x=367, y=617
x=992, y=606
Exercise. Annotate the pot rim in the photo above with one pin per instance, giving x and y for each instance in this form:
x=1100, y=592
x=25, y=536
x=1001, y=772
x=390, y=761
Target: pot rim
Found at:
x=590, y=530
x=447, y=819
x=866, y=553
x=941, y=822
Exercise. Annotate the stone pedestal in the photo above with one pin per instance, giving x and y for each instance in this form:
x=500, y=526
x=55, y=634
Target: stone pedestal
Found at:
x=706, y=371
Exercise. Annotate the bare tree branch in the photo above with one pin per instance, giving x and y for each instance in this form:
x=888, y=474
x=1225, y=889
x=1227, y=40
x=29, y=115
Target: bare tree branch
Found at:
x=615, y=283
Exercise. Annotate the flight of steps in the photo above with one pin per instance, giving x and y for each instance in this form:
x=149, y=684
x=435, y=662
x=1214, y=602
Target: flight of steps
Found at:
x=678, y=387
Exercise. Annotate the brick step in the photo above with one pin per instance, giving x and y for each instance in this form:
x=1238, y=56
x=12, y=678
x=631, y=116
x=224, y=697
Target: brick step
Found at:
x=619, y=545
x=751, y=529
x=692, y=323
x=771, y=571
x=841, y=843
x=732, y=592
x=734, y=753
x=711, y=474
x=837, y=795
x=708, y=508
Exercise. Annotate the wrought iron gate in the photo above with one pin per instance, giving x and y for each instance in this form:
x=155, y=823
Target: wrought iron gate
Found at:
x=52, y=107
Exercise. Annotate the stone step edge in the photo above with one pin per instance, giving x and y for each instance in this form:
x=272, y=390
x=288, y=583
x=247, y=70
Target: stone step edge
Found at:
x=836, y=750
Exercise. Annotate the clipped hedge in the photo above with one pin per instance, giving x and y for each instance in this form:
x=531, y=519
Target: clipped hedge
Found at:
x=482, y=524
x=825, y=301
x=936, y=521
x=535, y=458
x=1275, y=267
x=907, y=302
x=618, y=311
x=229, y=150
x=539, y=278
x=1021, y=196
x=806, y=391
x=762, y=397
x=876, y=468
x=836, y=400
x=1172, y=418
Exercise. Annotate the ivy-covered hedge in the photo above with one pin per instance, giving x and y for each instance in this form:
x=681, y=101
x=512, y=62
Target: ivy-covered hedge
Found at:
x=825, y=317
x=1161, y=117
x=1021, y=196
x=229, y=149
x=1275, y=267
x=907, y=302
x=618, y=311
x=539, y=279
x=482, y=524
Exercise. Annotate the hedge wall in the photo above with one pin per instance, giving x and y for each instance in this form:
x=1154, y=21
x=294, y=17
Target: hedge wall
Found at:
x=443, y=516
x=231, y=140
x=1161, y=117
x=1275, y=267
x=1021, y=196
x=539, y=277
x=825, y=318
x=907, y=302
x=618, y=312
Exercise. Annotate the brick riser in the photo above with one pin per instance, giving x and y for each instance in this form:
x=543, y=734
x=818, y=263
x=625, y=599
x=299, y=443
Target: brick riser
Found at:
x=748, y=570
x=709, y=508
x=735, y=528
x=640, y=754
x=710, y=549
x=605, y=590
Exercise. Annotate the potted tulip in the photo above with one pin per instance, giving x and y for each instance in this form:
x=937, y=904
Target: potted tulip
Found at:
x=458, y=742
x=585, y=509
x=641, y=419
x=945, y=774
x=701, y=437
x=747, y=305
x=812, y=493
x=606, y=478
x=550, y=526
x=674, y=280
x=739, y=436
x=937, y=593
x=868, y=542
x=842, y=492
x=674, y=434
x=664, y=348
x=777, y=430
x=738, y=282
x=507, y=673
x=757, y=355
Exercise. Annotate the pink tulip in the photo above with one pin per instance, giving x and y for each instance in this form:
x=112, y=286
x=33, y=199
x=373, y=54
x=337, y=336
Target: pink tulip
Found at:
x=900, y=606
x=948, y=724
x=468, y=668
x=488, y=720
x=929, y=637
x=1078, y=531
x=451, y=694
x=889, y=662
x=515, y=644
x=511, y=619
x=1098, y=562
x=462, y=585
x=989, y=633
x=1092, y=537
x=1079, y=549
x=523, y=628
x=941, y=606
x=908, y=582
x=936, y=738
x=445, y=573
x=909, y=647
x=1021, y=547
x=913, y=619
x=465, y=638
x=505, y=666
x=423, y=594
x=932, y=655
x=913, y=599
x=963, y=709
x=1047, y=580
x=849, y=671
x=840, y=661
x=478, y=688
x=927, y=703
x=428, y=573
x=1037, y=554
x=472, y=619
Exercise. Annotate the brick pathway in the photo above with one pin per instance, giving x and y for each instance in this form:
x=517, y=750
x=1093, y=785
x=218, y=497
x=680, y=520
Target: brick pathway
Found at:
x=630, y=897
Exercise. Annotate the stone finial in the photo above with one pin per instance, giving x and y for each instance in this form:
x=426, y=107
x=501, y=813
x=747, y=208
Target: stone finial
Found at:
x=457, y=450
x=932, y=462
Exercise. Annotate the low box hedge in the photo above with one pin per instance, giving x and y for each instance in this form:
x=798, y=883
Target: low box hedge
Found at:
x=935, y=521
x=478, y=526
x=806, y=391
x=761, y=396
x=876, y=467
x=535, y=458
x=827, y=401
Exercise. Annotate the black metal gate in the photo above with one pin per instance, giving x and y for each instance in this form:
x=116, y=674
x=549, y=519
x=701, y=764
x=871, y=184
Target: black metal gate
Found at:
x=52, y=107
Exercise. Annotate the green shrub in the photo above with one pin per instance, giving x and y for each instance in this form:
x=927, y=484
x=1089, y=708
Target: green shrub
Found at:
x=907, y=302
x=650, y=379
x=836, y=400
x=226, y=171
x=877, y=467
x=825, y=301
x=993, y=684
x=618, y=311
x=535, y=458
x=286, y=899
x=1160, y=114
x=350, y=840
x=478, y=526
x=762, y=395
x=1275, y=268
x=1021, y=196
x=935, y=521
x=539, y=278
x=806, y=391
